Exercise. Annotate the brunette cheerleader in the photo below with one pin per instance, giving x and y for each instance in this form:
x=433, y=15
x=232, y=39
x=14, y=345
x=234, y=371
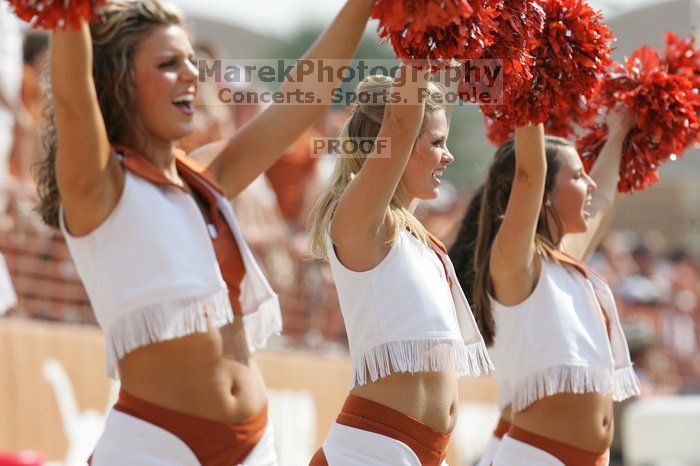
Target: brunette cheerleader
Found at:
x=556, y=341
x=171, y=279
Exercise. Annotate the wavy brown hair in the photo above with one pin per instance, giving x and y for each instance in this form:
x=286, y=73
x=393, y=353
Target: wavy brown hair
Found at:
x=115, y=42
x=472, y=255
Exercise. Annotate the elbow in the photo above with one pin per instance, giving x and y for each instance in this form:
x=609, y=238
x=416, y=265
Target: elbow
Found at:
x=529, y=176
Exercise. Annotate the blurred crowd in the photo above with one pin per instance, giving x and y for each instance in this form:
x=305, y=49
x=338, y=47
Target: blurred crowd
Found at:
x=658, y=291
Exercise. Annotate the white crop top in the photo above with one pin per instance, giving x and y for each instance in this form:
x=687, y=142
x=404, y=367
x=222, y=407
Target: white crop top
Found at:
x=151, y=273
x=557, y=341
x=404, y=316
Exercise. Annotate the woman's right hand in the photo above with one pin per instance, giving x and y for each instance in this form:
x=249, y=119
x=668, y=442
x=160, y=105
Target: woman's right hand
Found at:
x=407, y=105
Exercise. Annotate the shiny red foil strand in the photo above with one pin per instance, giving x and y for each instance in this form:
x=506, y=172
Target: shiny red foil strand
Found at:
x=682, y=57
x=590, y=143
x=436, y=30
x=513, y=27
x=56, y=14
x=519, y=23
x=664, y=106
x=570, y=59
x=498, y=132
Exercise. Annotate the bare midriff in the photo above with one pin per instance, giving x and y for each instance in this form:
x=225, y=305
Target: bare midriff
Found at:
x=584, y=421
x=430, y=397
x=211, y=375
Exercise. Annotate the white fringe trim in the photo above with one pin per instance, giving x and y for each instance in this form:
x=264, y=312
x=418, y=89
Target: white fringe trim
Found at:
x=263, y=323
x=621, y=383
x=626, y=384
x=164, y=322
x=435, y=355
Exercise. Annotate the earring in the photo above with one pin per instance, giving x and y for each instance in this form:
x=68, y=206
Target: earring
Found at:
x=547, y=202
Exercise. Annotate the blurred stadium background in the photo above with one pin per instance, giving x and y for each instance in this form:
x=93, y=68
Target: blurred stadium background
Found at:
x=53, y=394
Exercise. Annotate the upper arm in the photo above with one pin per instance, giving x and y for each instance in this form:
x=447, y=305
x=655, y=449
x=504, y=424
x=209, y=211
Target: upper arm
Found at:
x=89, y=178
x=257, y=146
x=512, y=256
x=362, y=219
x=514, y=244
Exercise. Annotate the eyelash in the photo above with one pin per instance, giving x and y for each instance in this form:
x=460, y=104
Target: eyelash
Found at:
x=438, y=143
x=170, y=63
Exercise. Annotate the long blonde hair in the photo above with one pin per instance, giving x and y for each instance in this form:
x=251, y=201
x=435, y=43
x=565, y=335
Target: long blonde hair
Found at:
x=364, y=125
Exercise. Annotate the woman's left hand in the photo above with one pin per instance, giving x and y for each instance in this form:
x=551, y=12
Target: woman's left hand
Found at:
x=619, y=120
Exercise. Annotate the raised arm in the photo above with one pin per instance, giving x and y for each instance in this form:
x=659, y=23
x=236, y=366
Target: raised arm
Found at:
x=88, y=178
x=261, y=142
x=512, y=256
x=362, y=214
x=606, y=174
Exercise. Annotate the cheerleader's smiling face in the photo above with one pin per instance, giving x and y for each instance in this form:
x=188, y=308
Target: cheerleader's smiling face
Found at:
x=430, y=158
x=573, y=192
x=166, y=83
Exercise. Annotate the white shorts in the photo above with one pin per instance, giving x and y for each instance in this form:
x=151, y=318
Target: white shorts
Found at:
x=512, y=452
x=489, y=452
x=8, y=298
x=128, y=440
x=6, y=143
x=348, y=446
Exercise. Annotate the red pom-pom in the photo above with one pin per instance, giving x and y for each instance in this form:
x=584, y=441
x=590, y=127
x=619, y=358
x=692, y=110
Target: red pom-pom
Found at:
x=571, y=57
x=590, y=143
x=664, y=106
x=499, y=131
x=520, y=22
x=423, y=29
x=57, y=14
x=682, y=57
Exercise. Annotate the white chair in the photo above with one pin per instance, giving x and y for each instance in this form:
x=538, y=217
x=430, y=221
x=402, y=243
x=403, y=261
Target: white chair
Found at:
x=8, y=298
x=294, y=422
x=475, y=425
x=82, y=429
x=662, y=431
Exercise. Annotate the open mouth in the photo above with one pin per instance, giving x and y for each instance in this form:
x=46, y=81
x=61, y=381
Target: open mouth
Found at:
x=587, y=207
x=185, y=103
x=437, y=175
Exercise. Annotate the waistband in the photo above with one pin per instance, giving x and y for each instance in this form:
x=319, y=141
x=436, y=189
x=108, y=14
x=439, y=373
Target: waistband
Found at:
x=502, y=428
x=213, y=442
x=570, y=456
x=428, y=444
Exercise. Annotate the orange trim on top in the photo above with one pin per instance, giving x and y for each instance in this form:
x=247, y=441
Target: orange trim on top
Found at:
x=199, y=168
x=442, y=247
x=141, y=166
x=567, y=454
x=437, y=242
